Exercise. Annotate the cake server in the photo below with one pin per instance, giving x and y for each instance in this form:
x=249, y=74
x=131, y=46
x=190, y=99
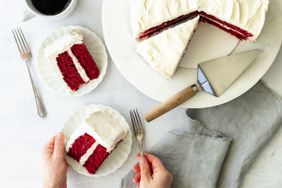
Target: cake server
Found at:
x=214, y=77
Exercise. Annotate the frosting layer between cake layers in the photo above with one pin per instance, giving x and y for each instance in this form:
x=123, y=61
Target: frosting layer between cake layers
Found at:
x=248, y=15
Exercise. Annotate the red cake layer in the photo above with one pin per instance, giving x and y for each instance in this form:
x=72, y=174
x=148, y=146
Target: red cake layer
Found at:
x=204, y=17
x=85, y=59
x=232, y=29
x=236, y=34
x=69, y=72
x=80, y=146
x=96, y=159
x=157, y=29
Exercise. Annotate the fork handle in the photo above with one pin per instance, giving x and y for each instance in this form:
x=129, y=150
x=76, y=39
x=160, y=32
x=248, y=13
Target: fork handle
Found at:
x=172, y=102
x=41, y=110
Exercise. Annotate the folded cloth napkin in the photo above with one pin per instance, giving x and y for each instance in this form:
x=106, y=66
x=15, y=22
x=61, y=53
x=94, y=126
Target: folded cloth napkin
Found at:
x=218, y=148
x=194, y=158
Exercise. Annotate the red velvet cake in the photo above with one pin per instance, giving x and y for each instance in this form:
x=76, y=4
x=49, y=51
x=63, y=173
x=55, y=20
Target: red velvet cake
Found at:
x=80, y=146
x=71, y=60
x=69, y=72
x=204, y=17
x=96, y=159
x=242, y=18
x=156, y=23
x=93, y=142
x=86, y=61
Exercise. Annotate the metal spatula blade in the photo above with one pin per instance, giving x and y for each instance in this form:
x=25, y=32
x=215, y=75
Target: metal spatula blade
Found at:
x=217, y=75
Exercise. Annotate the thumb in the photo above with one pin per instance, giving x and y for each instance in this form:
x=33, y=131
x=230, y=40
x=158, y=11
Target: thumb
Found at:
x=59, y=146
x=47, y=150
x=144, y=168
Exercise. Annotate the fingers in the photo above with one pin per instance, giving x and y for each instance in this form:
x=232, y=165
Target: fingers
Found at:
x=145, y=170
x=137, y=178
x=47, y=150
x=59, y=147
x=137, y=184
x=154, y=161
x=136, y=168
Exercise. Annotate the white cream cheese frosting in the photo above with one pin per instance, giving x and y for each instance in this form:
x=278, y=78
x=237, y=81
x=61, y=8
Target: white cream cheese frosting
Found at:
x=151, y=13
x=105, y=130
x=64, y=44
x=165, y=50
x=245, y=14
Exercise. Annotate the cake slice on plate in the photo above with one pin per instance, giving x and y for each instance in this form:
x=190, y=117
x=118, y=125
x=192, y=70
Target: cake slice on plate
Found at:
x=71, y=60
x=164, y=51
x=93, y=142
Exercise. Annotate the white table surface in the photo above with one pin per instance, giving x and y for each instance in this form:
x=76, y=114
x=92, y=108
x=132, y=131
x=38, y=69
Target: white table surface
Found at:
x=23, y=133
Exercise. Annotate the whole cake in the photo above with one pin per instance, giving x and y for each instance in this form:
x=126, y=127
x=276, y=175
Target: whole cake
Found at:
x=156, y=25
x=71, y=61
x=93, y=142
x=165, y=50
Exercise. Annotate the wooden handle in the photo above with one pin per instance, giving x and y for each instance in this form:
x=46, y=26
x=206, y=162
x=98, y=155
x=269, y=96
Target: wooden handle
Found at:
x=171, y=103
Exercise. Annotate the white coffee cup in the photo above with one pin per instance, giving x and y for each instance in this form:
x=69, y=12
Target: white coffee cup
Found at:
x=31, y=11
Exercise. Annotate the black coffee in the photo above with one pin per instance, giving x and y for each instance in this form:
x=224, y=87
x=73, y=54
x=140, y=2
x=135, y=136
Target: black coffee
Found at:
x=50, y=7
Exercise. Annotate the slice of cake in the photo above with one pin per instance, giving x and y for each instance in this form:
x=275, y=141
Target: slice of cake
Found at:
x=93, y=142
x=241, y=18
x=164, y=51
x=71, y=61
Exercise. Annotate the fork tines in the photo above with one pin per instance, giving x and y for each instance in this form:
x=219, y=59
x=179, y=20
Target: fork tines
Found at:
x=137, y=128
x=20, y=41
x=136, y=121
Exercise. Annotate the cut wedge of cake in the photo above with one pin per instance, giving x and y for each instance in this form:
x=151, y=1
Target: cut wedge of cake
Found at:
x=164, y=51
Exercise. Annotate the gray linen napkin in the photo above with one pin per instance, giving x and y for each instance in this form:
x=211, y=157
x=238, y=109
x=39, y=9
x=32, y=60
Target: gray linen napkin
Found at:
x=203, y=156
x=251, y=122
x=182, y=149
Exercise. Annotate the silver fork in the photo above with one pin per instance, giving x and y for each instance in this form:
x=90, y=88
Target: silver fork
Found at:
x=138, y=128
x=25, y=54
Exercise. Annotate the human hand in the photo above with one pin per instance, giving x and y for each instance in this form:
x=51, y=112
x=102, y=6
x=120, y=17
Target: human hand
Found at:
x=54, y=163
x=150, y=172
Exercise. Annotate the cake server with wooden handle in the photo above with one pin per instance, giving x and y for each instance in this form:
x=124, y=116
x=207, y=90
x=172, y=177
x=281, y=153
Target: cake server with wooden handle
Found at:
x=214, y=77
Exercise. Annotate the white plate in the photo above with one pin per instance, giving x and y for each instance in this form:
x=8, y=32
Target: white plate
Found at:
x=117, y=157
x=97, y=50
x=120, y=43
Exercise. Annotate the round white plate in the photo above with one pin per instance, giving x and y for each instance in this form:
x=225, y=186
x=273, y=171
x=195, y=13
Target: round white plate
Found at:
x=121, y=44
x=97, y=50
x=117, y=157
